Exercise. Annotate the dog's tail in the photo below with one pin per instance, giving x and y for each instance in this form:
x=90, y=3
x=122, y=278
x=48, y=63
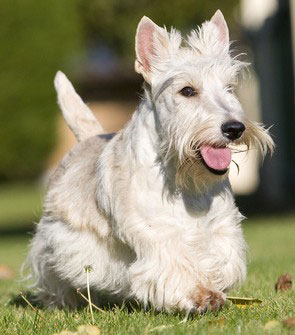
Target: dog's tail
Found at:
x=77, y=115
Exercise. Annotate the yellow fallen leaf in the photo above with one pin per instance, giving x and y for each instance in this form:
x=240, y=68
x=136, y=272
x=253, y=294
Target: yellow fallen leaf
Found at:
x=88, y=330
x=242, y=302
x=82, y=330
x=272, y=324
x=217, y=322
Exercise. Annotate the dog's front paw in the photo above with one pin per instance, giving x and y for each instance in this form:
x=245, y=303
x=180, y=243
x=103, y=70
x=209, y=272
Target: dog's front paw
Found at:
x=206, y=299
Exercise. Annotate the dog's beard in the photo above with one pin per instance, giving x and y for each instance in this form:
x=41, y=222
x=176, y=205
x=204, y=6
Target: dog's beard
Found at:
x=192, y=173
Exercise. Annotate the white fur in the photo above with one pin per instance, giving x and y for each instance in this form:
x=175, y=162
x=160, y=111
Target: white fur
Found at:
x=152, y=226
x=77, y=115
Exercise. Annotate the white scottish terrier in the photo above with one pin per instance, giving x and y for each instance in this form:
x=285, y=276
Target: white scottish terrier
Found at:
x=151, y=208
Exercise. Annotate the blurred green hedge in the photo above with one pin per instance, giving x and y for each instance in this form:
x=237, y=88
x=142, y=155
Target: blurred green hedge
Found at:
x=37, y=38
x=114, y=22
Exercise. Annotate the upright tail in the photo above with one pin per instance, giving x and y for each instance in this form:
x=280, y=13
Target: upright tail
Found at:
x=77, y=115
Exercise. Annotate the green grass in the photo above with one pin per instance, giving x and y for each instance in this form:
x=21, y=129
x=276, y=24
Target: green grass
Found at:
x=271, y=253
x=20, y=205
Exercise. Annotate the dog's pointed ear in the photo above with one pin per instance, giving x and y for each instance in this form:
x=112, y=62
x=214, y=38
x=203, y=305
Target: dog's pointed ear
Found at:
x=212, y=37
x=144, y=46
x=151, y=43
x=219, y=21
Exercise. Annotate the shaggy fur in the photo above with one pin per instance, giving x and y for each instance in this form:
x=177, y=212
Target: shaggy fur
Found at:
x=141, y=207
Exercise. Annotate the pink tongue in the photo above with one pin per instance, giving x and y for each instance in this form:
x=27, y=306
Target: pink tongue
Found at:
x=216, y=158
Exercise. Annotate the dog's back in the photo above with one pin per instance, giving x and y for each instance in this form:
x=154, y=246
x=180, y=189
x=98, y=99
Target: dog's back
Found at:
x=71, y=190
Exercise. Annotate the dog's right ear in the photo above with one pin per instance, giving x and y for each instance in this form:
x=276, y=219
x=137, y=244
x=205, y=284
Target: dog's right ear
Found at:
x=144, y=47
x=151, y=44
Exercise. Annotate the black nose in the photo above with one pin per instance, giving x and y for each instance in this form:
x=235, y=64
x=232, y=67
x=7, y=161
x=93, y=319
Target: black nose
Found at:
x=233, y=129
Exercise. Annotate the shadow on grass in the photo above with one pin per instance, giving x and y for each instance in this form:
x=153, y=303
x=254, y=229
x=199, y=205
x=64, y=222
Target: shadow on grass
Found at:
x=25, y=299
x=30, y=300
x=16, y=228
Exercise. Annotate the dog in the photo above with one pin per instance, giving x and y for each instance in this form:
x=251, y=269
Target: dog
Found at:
x=150, y=208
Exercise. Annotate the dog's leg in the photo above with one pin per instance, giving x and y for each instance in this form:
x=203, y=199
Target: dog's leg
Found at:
x=165, y=284
x=175, y=270
x=171, y=277
x=172, y=285
x=165, y=276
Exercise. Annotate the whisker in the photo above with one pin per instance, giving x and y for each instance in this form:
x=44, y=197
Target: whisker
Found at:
x=237, y=151
x=237, y=165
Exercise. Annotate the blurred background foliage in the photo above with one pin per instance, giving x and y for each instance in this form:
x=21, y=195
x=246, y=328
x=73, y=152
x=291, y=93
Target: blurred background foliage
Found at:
x=113, y=22
x=37, y=38
x=40, y=37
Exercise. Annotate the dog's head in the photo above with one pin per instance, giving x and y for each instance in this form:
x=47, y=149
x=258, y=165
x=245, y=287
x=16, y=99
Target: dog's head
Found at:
x=190, y=86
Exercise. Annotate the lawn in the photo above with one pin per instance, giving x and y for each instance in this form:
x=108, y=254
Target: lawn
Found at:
x=20, y=206
x=271, y=253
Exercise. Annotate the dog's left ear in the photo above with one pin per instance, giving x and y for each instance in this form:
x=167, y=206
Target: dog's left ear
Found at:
x=212, y=37
x=219, y=21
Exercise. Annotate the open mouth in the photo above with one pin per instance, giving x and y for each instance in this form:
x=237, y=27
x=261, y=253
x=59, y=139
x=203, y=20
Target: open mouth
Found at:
x=216, y=159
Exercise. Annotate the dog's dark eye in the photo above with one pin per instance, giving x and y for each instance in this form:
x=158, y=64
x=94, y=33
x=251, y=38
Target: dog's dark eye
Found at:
x=188, y=92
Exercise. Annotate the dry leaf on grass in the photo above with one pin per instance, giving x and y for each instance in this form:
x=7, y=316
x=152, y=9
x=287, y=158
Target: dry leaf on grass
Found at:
x=243, y=302
x=217, y=322
x=272, y=324
x=289, y=323
x=82, y=330
x=88, y=330
x=5, y=272
x=284, y=282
